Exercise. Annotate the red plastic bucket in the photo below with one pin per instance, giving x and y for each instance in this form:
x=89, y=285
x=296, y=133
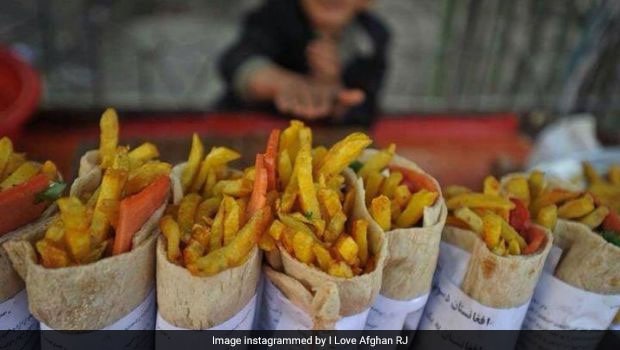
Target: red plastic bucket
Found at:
x=20, y=90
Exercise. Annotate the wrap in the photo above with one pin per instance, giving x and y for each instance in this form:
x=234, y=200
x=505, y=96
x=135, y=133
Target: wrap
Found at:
x=355, y=294
x=497, y=281
x=90, y=296
x=412, y=257
x=192, y=302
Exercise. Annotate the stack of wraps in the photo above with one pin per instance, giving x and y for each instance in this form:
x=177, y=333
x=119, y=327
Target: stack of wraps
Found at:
x=225, y=300
x=412, y=257
x=113, y=293
x=476, y=288
x=22, y=212
x=301, y=297
x=580, y=288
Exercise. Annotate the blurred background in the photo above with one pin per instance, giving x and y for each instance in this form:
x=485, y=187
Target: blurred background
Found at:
x=473, y=78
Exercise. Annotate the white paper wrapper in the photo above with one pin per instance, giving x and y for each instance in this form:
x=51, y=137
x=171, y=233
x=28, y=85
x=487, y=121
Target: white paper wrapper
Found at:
x=449, y=308
x=413, y=319
x=390, y=314
x=14, y=315
x=243, y=320
x=278, y=313
x=141, y=318
x=557, y=305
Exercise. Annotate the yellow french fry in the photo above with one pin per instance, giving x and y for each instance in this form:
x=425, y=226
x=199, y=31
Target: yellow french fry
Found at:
x=576, y=208
x=172, y=232
x=347, y=249
x=207, y=209
x=491, y=186
x=108, y=137
x=186, y=215
x=21, y=175
x=302, y=246
x=307, y=192
x=285, y=168
x=343, y=153
x=372, y=184
x=340, y=269
x=380, y=211
x=110, y=190
x=518, y=187
x=591, y=175
x=479, y=200
x=75, y=221
x=472, y=219
x=360, y=236
x=218, y=156
x=144, y=175
x=323, y=257
x=231, y=219
x=536, y=183
x=548, y=216
x=390, y=184
x=193, y=163
x=15, y=161
x=492, y=230
x=142, y=154
x=454, y=190
x=415, y=208
x=378, y=161
x=6, y=149
x=596, y=217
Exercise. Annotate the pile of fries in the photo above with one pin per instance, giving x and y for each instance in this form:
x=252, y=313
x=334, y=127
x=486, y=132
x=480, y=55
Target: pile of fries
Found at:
x=102, y=223
x=15, y=169
x=314, y=206
x=213, y=227
x=396, y=197
x=500, y=217
x=597, y=207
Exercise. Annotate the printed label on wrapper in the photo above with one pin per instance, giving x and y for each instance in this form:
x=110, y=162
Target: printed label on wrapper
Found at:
x=141, y=318
x=449, y=308
x=14, y=315
x=278, y=313
x=390, y=314
x=559, y=306
x=241, y=321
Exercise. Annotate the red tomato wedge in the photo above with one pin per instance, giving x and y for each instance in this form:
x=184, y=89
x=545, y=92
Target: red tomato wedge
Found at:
x=18, y=204
x=519, y=216
x=415, y=180
x=135, y=210
x=536, y=238
x=612, y=222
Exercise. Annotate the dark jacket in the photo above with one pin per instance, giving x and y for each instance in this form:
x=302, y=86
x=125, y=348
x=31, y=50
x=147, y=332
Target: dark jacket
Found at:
x=279, y=30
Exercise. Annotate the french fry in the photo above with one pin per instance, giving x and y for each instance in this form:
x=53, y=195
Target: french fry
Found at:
x=289, y=139
x=285, y=168
x=318, y=153
x=110, y=190
x=49, y=168
x=470, y=219
x=21, y=175
x=302, y=246
x=340, y=269
x=381, y=212
x=267, y=243
x=6, y=149
x=343, y=153
x=207, y=209
x=172, y=232
x=186, y=214
x=415, y=208
x=108, y=137
x=142, y=154
x=378, y=161
x=454, y=190
x=75, y=219
x=536, y=183
x=52, y=255
x=509, y=234
x=548, y=216
x=592, y=176
x=372, y=186
x=347, y=249
x=217, y=230
x=15, y=161
x=218, y=156
x=576, y=208
x=193, y=163
x=276, y=229
x=614, y=175
x=201, y=234
x=518, y=187
x=479, y=200
x=492, y=230
x=595, y=218
x=307, y=192
x=144, y=174
x=237, y=188
x=491, y=186
x=335, y=227
x=192, y=252
x=231, y=219
x=549, y=197
x=402, y=195
x=329, y=201
x=360, y=236
x=323, y=256
x=390, y=183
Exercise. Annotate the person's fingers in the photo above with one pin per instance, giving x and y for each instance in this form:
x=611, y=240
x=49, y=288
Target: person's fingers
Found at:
x=323, y=99
x=303, y=102
x=285, y=101
x=351, y=97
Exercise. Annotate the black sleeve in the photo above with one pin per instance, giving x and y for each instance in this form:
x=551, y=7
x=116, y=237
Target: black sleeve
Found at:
x=368, y=73
x=258, y=37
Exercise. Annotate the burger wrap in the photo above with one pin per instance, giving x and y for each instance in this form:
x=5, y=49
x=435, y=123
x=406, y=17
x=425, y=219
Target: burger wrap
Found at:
x=327, y=302
x=224, y=301
x=409, y=268
x=113, y=293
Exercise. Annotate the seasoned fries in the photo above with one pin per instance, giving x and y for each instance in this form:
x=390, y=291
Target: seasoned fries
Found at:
x=500, y=215
x=406, y=196
x=215, y=227
x=134, y=184
x=314, y=206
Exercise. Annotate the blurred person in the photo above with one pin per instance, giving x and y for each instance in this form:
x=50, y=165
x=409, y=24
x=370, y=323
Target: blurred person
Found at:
x=310, y=59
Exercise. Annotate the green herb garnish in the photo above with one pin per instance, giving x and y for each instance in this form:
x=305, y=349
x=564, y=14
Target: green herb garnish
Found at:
x=308, y=215
x=51, y=193
x=611, y=237
x=356, y=165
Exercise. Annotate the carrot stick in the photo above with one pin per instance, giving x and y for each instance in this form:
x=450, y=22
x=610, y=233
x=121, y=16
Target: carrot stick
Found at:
x=259, y=192
x=415, y=180
x=135, y=210
x=271, y=155
x=536, y=238
x=18, y=205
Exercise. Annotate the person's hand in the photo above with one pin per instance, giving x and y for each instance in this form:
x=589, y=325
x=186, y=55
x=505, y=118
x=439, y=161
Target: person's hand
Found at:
x=311, y=100
x=324, y=60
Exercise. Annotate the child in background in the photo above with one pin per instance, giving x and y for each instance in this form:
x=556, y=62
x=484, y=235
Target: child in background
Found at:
x=311, y=59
